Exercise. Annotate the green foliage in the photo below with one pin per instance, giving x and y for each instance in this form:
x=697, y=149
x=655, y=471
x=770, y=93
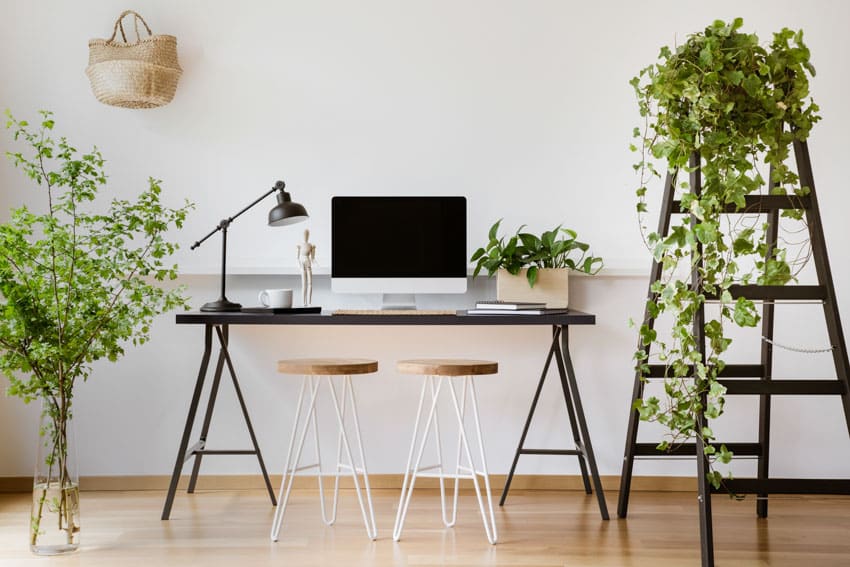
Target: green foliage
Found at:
x=735, y=104
x=76, y=283
x=556, y=248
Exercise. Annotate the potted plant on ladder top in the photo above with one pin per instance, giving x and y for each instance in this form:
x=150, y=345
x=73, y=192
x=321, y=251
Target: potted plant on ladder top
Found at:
x=732, y=107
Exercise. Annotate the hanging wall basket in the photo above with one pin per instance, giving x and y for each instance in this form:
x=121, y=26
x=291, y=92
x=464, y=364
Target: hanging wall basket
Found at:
x=142, y=74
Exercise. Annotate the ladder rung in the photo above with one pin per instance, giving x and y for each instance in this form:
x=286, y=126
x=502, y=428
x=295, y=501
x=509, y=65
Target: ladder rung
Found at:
x=649, y=449
x=734, y=370
x=760, y=204
x=784, y=387
x=550, y=452
x=224, y=452
x=786, y=486
x=776, y=292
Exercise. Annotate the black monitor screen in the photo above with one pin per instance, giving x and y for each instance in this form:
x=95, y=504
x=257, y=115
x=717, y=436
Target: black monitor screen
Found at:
x=398, y=237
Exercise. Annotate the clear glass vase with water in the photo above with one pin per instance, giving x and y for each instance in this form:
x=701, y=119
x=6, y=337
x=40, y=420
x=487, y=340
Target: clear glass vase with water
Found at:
x=55, y=515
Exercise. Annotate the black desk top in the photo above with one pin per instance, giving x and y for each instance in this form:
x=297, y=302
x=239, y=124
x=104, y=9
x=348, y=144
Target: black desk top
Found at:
x=571, y=317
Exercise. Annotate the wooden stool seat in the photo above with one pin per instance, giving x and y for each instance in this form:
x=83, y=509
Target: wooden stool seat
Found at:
x=327, y=366
x=448, y=367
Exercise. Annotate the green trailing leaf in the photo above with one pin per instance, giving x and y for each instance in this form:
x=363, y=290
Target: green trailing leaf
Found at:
x=776, y=271
x=744, y=243
x=649, y=407
x=706, y=232
x=714, y=478
x=745, y=314
x=724, y=455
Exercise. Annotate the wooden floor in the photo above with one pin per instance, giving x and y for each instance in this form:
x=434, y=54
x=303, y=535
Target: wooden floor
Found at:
x=226, y=528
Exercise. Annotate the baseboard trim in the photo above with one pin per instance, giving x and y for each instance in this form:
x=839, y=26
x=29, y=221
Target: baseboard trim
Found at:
x=377, y=481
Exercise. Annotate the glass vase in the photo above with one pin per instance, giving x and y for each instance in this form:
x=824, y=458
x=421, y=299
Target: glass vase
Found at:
x=55, y=515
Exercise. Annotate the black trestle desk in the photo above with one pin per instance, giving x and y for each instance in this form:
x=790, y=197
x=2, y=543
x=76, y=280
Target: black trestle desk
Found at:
x=218, y=325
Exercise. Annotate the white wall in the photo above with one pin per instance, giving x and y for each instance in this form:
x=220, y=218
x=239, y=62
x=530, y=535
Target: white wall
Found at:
x=523, y=106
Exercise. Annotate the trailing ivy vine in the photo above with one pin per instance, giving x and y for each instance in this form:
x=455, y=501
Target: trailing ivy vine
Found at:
x=738, y=106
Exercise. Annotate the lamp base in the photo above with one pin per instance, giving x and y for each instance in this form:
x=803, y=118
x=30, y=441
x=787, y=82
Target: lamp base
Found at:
x=221, y=304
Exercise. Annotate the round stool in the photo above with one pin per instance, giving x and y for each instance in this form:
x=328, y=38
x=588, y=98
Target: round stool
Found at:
x=314, y=370
x=438, y=377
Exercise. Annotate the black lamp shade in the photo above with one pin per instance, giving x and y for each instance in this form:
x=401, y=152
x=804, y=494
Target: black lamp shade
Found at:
x=286, y=212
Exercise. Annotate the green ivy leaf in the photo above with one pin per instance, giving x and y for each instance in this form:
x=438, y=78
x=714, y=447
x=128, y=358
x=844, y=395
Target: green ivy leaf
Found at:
x=745, y=314
x=706, y=232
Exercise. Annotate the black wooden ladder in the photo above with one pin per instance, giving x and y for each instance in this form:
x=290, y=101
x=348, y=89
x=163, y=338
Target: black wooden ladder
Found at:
x=751, y=379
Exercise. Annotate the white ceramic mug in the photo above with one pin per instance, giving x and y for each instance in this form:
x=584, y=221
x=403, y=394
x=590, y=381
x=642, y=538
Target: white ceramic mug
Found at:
x=276, y=298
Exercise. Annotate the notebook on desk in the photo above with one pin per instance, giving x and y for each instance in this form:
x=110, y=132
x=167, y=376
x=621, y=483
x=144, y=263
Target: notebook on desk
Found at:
x=395, y=312
x=530, y=312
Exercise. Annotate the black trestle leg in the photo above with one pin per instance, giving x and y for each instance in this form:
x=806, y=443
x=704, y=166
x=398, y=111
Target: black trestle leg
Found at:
x=521, y=445
x=582, y=457
x=190, y=420
x=222, y=337
x=196, y=467
x=586, y=445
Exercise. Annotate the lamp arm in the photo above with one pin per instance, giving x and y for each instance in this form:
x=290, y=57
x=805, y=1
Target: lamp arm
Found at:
x=279, y=186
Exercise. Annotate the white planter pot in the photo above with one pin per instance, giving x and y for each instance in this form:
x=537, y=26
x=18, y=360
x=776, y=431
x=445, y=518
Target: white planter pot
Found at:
x=552, y=287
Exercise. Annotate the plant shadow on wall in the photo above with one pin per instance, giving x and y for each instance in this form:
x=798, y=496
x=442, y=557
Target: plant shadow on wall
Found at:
x=78, y=283
x=732, y=107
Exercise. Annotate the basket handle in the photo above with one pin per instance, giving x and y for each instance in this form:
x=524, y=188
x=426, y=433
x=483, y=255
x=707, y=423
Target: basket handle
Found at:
x=119, y=24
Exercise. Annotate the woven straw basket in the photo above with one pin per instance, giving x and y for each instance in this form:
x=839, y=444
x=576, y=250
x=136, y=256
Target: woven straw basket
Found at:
x=143, y=74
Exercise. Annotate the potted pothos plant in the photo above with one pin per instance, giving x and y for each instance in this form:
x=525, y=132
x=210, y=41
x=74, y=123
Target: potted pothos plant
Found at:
x=737, y=105
x=78, y=282
x=529, y=267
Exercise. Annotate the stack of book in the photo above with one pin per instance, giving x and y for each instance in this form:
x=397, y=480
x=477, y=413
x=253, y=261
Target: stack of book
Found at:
x=512, y=308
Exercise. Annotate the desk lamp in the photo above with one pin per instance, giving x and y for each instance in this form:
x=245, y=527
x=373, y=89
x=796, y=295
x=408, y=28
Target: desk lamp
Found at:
x=284, y=213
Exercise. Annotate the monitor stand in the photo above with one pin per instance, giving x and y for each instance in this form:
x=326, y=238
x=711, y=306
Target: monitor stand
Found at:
x=398, y=301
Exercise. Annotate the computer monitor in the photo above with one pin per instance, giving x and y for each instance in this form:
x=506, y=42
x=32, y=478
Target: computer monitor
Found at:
x=398, y=245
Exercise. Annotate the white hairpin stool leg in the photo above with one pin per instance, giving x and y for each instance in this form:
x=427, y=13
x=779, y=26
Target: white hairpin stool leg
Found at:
x=292, y=459
x=366, y=508
x=328, y=521
x=368, y=517
x=362, y=452
x=484, y=471
x=339, y=464
x=489, y=523
x=440, y=472
x=399, y=519
x=457, y=460
x=413, y=468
